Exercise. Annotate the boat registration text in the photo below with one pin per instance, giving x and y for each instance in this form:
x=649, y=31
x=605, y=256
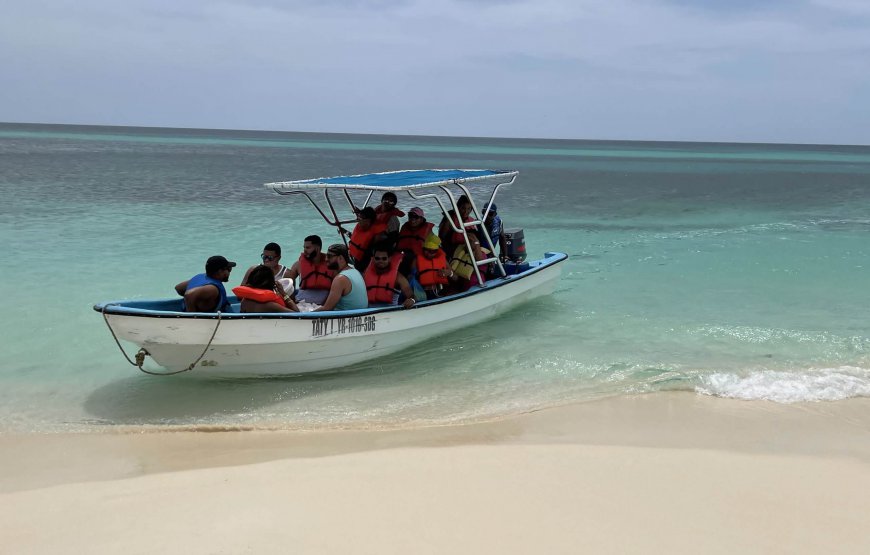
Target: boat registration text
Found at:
x=342, y=326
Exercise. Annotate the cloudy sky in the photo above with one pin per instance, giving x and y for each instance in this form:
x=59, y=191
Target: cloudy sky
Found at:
x=722, y=70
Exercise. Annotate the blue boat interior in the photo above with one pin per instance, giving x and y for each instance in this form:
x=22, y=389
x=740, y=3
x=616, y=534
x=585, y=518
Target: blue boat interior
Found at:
x=171, y=308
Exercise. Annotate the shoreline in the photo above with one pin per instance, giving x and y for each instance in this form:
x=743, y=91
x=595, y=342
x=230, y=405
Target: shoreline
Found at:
x=686, y=470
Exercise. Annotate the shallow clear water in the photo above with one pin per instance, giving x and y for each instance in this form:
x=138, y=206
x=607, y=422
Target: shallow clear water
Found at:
x=732, y=270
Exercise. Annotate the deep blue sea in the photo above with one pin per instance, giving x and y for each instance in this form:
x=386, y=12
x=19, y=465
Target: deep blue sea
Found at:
x=736, y=270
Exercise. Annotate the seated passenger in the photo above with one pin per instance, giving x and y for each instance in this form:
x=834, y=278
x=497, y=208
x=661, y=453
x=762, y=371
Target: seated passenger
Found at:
x=205, y=292
x=263, y=294
x=271, y=257
x=414, y=232
x=348, y=290
x=315, y=278
x=363, y=236
x=433, y=271
x=463, y=266
x=383, y=280
x=451, y=239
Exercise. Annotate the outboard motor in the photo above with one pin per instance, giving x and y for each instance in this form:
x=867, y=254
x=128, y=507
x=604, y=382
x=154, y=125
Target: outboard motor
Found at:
x=515, y=247
x=515, y=242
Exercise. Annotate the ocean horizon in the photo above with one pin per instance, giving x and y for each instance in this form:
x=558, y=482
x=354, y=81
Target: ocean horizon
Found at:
x=727, y=269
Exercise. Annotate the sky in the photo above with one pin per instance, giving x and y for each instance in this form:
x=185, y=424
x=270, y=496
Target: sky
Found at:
x=691, y=70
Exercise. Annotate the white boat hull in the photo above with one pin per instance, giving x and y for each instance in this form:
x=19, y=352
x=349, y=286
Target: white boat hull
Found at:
x=258, y=345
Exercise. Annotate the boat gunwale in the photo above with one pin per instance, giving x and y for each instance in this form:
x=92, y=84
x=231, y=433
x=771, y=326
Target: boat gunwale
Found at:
x=115, y=308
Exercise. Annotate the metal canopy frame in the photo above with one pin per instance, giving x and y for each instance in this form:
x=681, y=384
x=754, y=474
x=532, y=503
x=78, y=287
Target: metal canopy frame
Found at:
x=443, y=186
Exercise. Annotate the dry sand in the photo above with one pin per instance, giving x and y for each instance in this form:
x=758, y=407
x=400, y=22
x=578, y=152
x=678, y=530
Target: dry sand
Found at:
x=663, y=473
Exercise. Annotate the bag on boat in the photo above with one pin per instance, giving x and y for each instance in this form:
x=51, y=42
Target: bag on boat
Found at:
x=287, y=284
x=419, y=292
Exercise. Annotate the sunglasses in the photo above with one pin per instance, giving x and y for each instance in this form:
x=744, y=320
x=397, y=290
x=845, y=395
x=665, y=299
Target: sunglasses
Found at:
x=267, y=258
x=414, y=217
x=380, y=258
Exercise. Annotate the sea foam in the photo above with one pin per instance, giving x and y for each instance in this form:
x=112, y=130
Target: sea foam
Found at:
x=824, y=384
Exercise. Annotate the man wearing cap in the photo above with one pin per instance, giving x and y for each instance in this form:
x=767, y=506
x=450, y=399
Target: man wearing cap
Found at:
x=205, y=292
x=493, y=227
x=348, y=290
x=414, y=232
x=433, y=271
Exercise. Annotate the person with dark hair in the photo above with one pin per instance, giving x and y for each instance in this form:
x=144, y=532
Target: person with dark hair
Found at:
x=363, y=236
x=263, y=294
x=271, y=257
x=414, y=232
x=493, y=226
x=205, y=292
x=383, y=280
x=451, y=239
x=388, y=215
x=348, y=291
x=315, y=279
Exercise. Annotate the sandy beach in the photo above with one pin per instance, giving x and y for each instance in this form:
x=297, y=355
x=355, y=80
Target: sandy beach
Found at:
x=662, y=473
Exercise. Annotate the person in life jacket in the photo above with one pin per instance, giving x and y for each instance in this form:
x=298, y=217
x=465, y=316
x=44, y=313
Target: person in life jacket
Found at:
x=383, y=280
x=205, y=292
x=315, y=278
x=388, y=214
x=451, y=239
x=271, y=257
x=262, y=293
x=363, y=237
x=414, y=232
x=432, y=269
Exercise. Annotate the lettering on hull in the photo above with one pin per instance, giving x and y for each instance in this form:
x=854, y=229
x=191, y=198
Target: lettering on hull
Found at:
x=343, y=326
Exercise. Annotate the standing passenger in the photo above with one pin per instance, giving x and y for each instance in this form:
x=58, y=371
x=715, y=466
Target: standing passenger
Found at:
x=388, y=215
x=363, y=236
x=348, y=291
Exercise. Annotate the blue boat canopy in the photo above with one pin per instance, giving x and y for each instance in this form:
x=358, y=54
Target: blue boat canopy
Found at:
x=402, y=180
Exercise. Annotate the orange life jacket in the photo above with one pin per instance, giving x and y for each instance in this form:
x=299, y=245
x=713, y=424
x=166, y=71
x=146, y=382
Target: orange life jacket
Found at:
x=259, y=295
x=381, y=288
x=427, y=270
x=314, y=276
x=361, y=240
x=411, y=239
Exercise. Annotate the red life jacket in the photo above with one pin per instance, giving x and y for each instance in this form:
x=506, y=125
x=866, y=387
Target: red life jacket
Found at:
x=427, y=270
x=381, y=288
x=411, y=239
x=384, y=217
x=259, y=295
x=314, y=276
x=361, y=240
x=456, y=238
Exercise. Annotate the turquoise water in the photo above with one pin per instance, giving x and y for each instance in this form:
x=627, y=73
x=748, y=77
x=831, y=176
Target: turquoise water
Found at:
x=731, y=270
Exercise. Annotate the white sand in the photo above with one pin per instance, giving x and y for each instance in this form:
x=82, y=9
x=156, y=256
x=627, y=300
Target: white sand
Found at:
x=666, y=473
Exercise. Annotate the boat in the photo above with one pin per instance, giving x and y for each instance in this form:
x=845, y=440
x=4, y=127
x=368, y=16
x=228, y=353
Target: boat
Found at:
x=234, y=344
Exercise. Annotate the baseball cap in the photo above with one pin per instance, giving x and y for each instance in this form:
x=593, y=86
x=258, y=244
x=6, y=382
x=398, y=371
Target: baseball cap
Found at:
x=215, y=263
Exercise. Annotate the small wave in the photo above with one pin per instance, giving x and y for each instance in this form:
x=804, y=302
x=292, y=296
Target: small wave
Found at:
x=826, y=384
